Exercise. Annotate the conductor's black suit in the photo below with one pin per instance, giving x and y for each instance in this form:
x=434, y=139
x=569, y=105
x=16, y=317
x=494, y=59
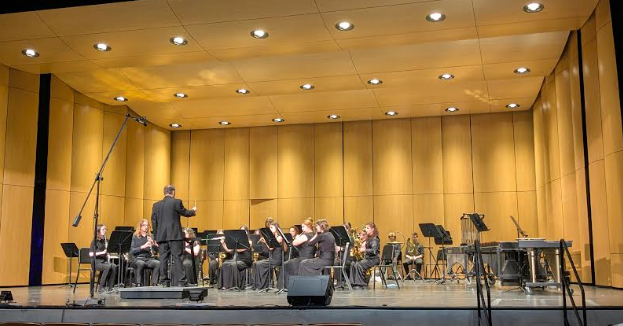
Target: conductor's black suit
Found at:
x=165, y=219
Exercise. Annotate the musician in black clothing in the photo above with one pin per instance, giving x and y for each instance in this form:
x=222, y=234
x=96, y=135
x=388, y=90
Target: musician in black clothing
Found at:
x=305, y=251
x=262, y=269
x=190, y=254
x=165, y=218
x=232, y=273
x=107, y=269
x=142, y=251
x=326, y=251
x=372, y=250
x=214, y=264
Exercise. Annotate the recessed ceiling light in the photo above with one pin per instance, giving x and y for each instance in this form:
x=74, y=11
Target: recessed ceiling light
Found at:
x=533, y=7
x=452, y=109
x=307, y=87
x=120, y=99
x=522, y=70
x=278, y=120
x=512, y=105
x=391, y=113
x=224, y=123
x=243, y=91
x=446, y=76
x=178, y=40
x=103, y=47
x=375, y=81
x=333, y=116
x=180, y=95
x=30, y=53
x=435, y=17
x=175, y=125
x=344, y=26
x=259, y=33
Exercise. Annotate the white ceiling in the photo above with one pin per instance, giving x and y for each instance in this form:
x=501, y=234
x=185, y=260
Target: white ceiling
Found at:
x=481, y=42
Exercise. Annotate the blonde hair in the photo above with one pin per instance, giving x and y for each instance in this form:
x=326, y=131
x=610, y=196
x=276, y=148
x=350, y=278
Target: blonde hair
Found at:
x=137, y=231
x=309, y=223
x=323, y=224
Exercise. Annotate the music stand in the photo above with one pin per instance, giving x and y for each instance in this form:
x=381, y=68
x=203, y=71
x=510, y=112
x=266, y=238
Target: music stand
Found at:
x=442, y=240
x=71, y=251
x=519, y=230
x=120, y=242
x=287, y=237
x=479, y=222
x=236, y=239
x=124, y=228
x=430, y=230
x=340, y=234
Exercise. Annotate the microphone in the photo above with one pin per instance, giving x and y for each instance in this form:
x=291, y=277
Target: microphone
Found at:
x=77, y=220
x=141, y=120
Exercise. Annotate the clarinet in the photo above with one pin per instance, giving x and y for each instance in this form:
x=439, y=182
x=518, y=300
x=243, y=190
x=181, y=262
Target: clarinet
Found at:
x=151, y=246
x=106, y=249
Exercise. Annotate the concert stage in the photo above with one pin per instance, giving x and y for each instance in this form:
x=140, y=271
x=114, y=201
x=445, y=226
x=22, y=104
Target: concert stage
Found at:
x=430, y=303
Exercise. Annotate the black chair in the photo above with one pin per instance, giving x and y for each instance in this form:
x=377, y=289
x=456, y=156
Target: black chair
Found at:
x=84, y=259
x=387, y=261
x=342, y=266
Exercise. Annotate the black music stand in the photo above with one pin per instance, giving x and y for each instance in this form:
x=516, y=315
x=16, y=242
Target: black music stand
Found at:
x=236, y=239
x=71, y=251
x=120, y=242
x=124, y=228
x=271, y=242
x=287, y=237
x=478, y=221
x=341, y=239
x=430, y=230
x=443, y=238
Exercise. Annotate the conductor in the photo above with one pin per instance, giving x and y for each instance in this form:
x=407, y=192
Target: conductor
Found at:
x=165, y=218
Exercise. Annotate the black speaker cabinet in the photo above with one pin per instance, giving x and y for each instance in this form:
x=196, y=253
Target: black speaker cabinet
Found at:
x=310, y=290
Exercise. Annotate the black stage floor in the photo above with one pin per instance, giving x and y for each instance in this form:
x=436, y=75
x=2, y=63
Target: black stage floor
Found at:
x=412, y=294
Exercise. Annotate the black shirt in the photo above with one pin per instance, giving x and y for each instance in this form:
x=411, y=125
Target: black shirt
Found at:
x=98, y=246
x=135, y=248
x=326, y=245
x=307, y=251
x=373, y=248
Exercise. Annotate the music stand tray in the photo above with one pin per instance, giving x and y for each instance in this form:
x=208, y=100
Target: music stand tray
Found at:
x=340, y=234
x=236, y=239
x=430, y=230
x=445, y=239
x=479, y=224
x=269, y=237
x=71, y=251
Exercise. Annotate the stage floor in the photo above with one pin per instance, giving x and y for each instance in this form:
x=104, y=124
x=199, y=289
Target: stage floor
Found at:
x=412, y=294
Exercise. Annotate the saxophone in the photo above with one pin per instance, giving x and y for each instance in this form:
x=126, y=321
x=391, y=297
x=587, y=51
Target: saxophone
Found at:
x=355, y=252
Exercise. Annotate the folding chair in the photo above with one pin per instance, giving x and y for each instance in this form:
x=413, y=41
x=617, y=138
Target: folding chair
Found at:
x=342, y=266
x=387, y=261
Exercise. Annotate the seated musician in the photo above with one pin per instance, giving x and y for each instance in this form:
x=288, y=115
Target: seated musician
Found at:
x=214, y=264
x=263, y=252
x=371, y=250
x=325, y=256
x=189, y=254
x=397, y=255
x=102, y=262
x=414, y=254
x=232, y=273
x=294, y=232
x=142, y=251
x=305, y=251
x=262, y=269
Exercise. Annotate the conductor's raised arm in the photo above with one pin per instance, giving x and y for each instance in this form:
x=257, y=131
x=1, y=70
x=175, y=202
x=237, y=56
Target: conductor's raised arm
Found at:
x=179, y=207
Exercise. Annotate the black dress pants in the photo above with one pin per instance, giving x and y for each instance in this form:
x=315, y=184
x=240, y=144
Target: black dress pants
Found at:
x=174, y=250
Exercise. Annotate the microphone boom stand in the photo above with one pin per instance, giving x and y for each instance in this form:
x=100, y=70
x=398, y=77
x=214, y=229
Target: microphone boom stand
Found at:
x=98, y=181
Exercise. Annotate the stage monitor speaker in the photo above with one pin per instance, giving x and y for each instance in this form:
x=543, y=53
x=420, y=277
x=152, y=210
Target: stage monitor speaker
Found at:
x=310, y=290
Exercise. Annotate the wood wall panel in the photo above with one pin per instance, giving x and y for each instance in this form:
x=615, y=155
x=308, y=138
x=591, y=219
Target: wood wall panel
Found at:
x=497, y=207
x=112, y=211
x=4, y=101
x=550, y=128
x=576, y=110
x=592, y=100
x=59, y=144
x=83, y=233
x=330, y=208
x=16, y=202
x=601, y=237
x=393, y=213
x=527, y=212
x=427, y=155
x=609, y=91
x=358, y=210
x=180, y=158
x=392, y=167
x=296, y=161
x=570, y=207
x=135, y=164
x=157, y=162
x=583, y=229
x=457, y=155
x=114, y=174
x=524, y=151
x=207, y=164
x=56, y=231
x=86, y=154
x=328, y=167
x=556, y=220
x=21, y=138
x=236, y=178
x=454, y=205
x=617, y=265
x=294, y=210
x=133, y=211
x=260, y=209
x=358, y=158
x=493, y=160
x=565, y=123
x=614, y=189
x=235, y=214
x=61, y=91
x=24, y=81
x=263, y=169
x=428, y=208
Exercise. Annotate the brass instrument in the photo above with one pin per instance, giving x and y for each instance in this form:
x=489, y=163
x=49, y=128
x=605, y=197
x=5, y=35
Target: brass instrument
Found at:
x=221, y=257
x=355, y=252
